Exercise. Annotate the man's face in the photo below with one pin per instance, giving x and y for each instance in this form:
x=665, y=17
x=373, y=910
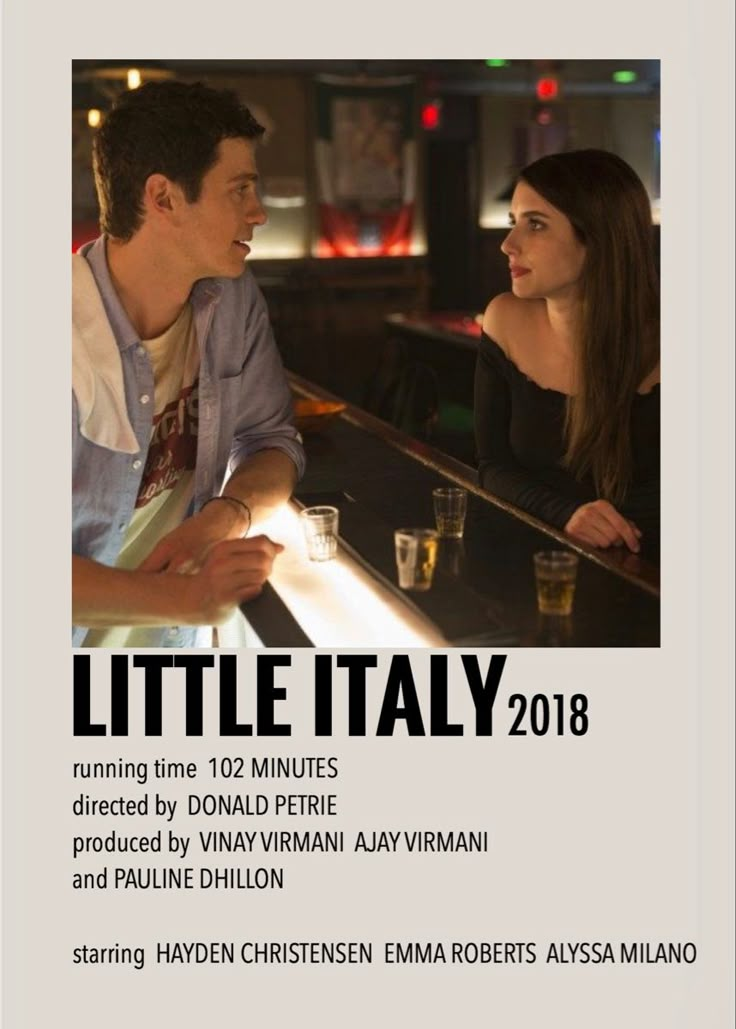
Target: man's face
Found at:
x=214, y=231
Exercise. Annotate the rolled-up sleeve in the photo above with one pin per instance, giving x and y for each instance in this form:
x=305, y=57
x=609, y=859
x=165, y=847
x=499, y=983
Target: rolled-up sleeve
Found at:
x=263, y=415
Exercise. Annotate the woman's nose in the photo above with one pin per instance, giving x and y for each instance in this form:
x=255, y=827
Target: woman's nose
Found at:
x=508, y=246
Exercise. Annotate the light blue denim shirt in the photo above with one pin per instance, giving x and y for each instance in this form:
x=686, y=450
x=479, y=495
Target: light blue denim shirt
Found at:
x=244, y=407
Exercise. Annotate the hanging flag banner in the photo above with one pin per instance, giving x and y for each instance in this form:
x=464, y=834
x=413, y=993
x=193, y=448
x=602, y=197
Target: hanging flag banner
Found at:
x=366, y=167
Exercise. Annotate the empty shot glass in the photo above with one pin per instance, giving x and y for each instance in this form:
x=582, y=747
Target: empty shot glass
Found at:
x=450, y=508
x=416, y=557
x=556, y=572
x=320, y=525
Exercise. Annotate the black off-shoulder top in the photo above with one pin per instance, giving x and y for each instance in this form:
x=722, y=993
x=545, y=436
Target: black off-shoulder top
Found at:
x=520, y=443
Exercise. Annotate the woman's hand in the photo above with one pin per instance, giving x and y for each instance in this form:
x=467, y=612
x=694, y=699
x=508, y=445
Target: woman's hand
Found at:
x=601, y=525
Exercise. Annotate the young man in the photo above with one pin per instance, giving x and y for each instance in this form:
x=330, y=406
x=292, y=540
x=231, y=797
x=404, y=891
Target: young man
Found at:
x=178, y=387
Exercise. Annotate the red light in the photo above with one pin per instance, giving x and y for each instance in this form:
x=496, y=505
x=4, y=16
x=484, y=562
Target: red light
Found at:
x=430, y=116
x=547, y=89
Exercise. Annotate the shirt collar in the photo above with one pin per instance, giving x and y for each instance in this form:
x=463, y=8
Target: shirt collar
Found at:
x=204, y=293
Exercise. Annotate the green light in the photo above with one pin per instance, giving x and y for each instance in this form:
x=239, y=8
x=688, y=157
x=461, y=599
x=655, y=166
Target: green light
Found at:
x=497, y=63
x=625, y=76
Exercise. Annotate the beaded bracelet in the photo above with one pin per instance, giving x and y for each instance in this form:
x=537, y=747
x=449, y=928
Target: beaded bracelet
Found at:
x=233, y=500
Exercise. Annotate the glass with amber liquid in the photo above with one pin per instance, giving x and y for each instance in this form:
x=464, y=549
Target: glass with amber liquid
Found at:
x=416, y=557
x=450, y=508
x=556, y=573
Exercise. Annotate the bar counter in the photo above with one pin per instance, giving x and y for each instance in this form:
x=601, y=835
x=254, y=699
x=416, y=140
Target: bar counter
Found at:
x=483, y=592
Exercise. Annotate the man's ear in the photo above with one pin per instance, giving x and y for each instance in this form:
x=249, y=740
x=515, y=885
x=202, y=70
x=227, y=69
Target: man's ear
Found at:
x=161, y=196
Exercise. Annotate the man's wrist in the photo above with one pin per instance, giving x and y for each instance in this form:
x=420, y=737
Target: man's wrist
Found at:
x=238, y=507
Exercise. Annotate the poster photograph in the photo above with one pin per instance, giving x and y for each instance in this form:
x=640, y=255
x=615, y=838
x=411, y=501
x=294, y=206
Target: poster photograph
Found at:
x=326, y=748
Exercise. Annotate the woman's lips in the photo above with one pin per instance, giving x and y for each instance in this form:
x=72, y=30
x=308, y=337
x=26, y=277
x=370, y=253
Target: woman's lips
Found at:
x=517, y=272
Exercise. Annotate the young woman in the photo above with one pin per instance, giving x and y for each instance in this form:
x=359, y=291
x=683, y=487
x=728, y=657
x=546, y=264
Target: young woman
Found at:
x=567, y=381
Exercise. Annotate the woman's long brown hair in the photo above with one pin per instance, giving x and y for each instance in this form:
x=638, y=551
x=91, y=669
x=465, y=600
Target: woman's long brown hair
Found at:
x=618, y=338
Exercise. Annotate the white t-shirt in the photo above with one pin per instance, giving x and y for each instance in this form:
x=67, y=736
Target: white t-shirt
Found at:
x=168, y=478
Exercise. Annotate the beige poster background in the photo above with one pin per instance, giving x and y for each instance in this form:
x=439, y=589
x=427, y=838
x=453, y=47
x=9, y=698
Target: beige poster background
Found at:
x=625, y=834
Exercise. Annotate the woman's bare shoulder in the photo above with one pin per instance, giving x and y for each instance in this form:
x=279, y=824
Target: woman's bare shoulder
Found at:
x=504, y=317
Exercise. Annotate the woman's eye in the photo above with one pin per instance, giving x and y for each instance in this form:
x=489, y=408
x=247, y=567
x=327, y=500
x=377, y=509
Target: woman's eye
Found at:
x=535, y=225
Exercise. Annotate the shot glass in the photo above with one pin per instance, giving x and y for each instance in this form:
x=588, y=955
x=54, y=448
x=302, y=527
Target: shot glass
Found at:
x=556, y=572
x=416, y=557
x=320, y=525
x=450, y=507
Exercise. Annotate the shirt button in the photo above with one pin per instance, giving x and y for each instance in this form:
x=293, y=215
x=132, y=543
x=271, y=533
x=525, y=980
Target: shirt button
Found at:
x=137, y=463
x=140, y=351
x=144, y=398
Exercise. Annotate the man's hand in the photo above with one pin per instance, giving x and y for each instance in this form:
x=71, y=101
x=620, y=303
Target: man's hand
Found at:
x=263, y=482
x=185, y=549
x=223, y=569
x=232, y=572
x=601, y=525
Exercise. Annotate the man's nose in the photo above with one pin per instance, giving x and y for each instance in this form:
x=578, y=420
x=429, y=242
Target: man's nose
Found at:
x=257, y=215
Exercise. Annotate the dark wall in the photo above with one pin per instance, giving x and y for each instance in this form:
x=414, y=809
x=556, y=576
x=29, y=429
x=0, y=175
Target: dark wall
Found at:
x=451, y=204
x=328, y=315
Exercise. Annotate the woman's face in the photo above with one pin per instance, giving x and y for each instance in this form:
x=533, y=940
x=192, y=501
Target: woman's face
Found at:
x=545, y=256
